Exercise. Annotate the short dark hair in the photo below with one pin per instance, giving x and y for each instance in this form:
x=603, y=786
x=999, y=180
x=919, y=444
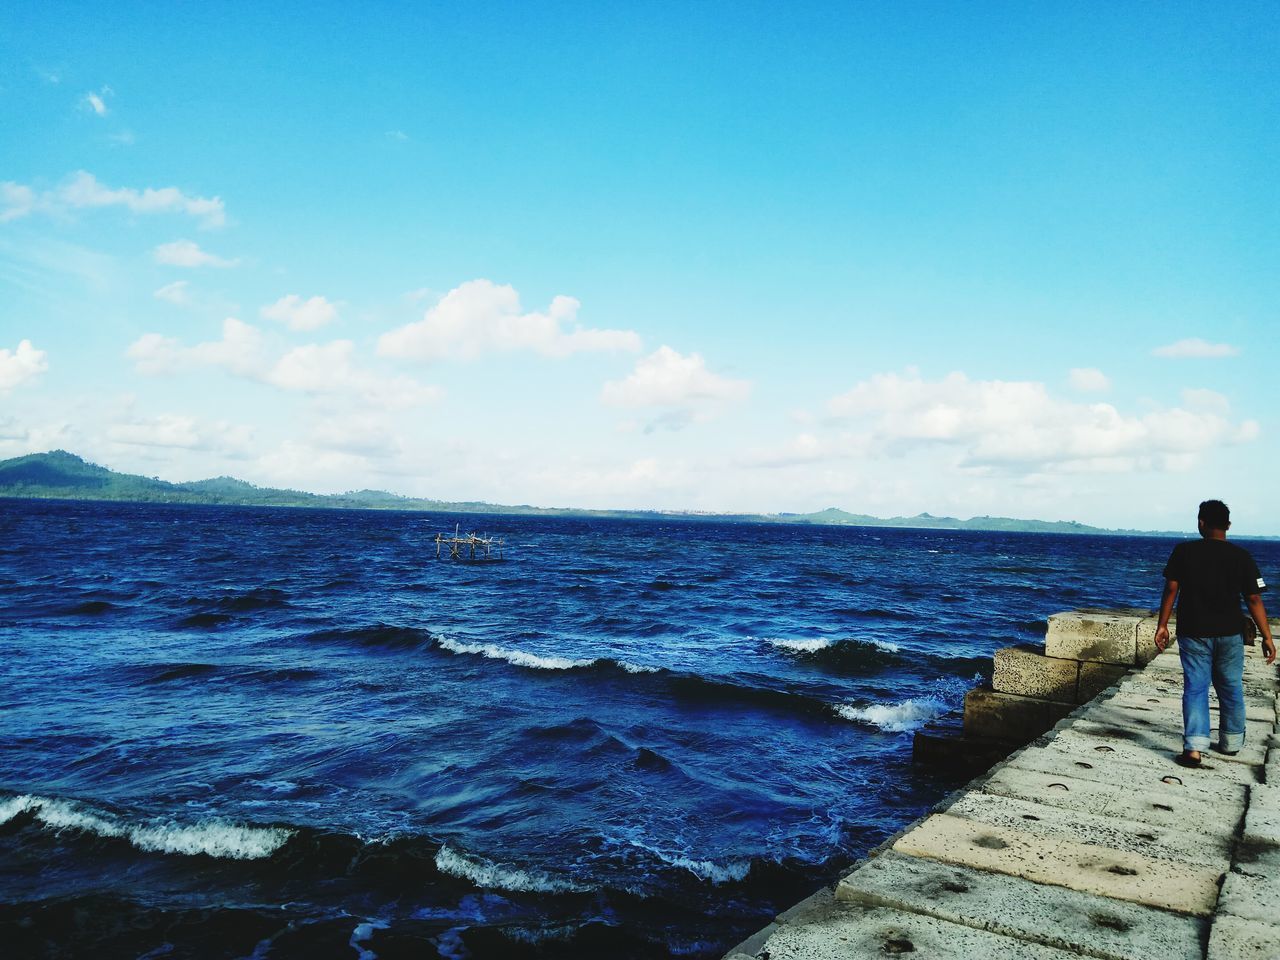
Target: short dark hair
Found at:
x=1215, y=514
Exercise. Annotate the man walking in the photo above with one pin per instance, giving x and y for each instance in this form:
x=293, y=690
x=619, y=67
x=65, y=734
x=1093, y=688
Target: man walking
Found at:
x=1209, y=576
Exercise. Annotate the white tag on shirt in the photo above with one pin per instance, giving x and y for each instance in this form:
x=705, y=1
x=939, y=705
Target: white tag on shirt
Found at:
x=1262, y=585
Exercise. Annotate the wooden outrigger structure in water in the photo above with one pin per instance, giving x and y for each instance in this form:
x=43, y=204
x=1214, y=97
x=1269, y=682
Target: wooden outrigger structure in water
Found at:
x=469, y=543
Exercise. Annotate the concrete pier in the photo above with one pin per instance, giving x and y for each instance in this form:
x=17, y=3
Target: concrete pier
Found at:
x=1088, y=842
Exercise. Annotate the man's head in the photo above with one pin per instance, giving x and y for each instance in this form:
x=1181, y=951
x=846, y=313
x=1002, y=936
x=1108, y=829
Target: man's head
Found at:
x=1213, y=515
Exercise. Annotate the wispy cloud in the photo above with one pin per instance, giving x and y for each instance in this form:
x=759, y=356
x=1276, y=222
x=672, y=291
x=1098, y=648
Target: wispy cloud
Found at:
x=175, y=292
x=397, y=135
x=82, y=190
x=480, y=317
x=299, y=314
x=96, y=101
x=187, y=253
x=1195, y=348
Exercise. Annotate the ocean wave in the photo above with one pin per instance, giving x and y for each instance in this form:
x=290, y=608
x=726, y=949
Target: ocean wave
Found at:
x=211, y=838
x=826, y=643
x=895, y=717
x=489, y=875
x=844, y=655
x=909, y=714
x=377, y=635
x=517, y=657
x=730, y=871
x=533, y=661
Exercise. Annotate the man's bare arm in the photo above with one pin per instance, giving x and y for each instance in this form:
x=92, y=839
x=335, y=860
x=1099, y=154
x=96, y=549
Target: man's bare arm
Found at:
x=1259, y=614
x=1166, y=611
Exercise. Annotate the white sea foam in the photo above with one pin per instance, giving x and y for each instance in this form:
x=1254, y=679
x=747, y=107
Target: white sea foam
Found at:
x=362, y=934
x=517, y=657
x=707, y=870
x=823, y=643
x=895, y=717
x=212, y=838
x=800, y=646
x=485, y=873
x=630, y=667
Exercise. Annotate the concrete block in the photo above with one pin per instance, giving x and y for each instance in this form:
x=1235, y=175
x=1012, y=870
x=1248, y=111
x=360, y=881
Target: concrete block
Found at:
x=848, y=931
x=989, y=713
x=1142, y=756
x=1028, y=673
x=1161, y=709
x=1132, y=877
x=1166, y=740
x=1235, y=938
x=1251, y=896
x=1150, y=781
x=1112, y=833
x=1166, y=808
x=1102, y=637
x=1096, y=677
x=1011, y=906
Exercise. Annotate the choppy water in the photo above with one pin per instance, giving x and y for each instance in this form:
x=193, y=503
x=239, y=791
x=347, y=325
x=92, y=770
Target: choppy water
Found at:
x=277, y=733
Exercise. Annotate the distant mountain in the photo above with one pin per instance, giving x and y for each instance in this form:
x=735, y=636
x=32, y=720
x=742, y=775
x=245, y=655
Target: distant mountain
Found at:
x=61, y=475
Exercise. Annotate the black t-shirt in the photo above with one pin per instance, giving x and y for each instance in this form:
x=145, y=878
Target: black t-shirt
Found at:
x=1212, y=576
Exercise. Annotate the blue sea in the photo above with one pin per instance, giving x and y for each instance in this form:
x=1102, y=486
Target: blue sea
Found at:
x=240, y=732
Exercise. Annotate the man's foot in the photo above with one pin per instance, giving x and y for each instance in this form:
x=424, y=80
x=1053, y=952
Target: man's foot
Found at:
x=1188, y=758
x=1225, y=753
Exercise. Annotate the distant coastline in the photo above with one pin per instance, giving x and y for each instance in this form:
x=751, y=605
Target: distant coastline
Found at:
x=59, y=475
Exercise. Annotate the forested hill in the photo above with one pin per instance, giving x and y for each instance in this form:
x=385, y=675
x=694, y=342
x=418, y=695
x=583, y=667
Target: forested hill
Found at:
x=63, y=475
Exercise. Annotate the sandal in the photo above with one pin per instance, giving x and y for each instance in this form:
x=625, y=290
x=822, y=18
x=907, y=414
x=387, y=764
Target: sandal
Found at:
x=1184, y=759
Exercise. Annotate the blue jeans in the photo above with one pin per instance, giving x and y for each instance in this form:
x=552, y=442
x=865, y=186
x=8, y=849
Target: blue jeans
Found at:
x=1220, y=659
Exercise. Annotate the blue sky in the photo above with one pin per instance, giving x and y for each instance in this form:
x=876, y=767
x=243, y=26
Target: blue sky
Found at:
x=1013, y=259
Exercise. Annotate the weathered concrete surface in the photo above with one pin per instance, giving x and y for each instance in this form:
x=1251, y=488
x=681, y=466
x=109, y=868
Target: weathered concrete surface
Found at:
x=1025, y=672
x=1119, y=874
x=1096, y=677
x=1052, y=916
x=850, y=931
x=1235, y=938
x=1132, y=836
x=989, y=713
x=1089, y=842
x=1105, y=638
x=1215, y=814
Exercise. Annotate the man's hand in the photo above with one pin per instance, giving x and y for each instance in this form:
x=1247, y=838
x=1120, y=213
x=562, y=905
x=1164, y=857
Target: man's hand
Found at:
x=1269, y=649
x=1162, y=639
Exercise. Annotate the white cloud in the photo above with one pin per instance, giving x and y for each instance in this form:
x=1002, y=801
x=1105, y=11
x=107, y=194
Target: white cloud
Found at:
x=82, y=190
x=681, y=385
x=96, y=102
x=1089, y=380
x=16, y=200
x=1195, y=348
x=361, y=433
x=186, y=253
x=329, y=368
x=1019, y=426
x=480, y=316
x=397, y=135
x=240, y=351
x=175, y=292
x=187, y=433
x=317, y=369
x=299, y=314
x=21, y=365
